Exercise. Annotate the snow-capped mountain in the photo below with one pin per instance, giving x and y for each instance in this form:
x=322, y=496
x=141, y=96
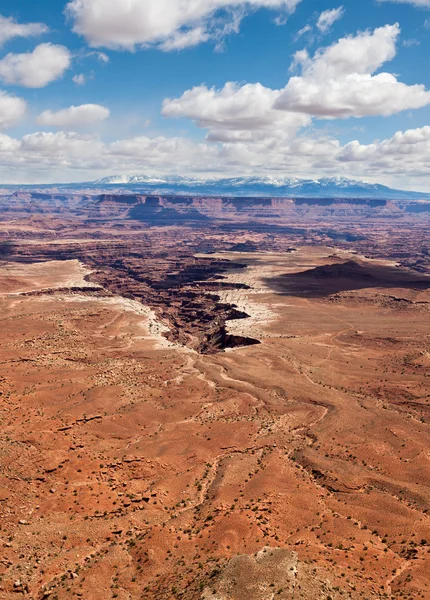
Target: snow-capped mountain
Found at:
x=272, y=186
x=137, y=179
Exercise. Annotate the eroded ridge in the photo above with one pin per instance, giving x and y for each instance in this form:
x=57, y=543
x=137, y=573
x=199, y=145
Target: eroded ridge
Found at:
x=181, y=289
x=135, y=467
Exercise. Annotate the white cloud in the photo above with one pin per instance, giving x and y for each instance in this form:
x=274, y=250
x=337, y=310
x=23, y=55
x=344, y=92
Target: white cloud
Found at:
x=410, y=43
x=404, y=146
x=7, y=146
x=79, y=79
x=339, y=81
x=357, y=95
x=256, y=129
x=250, y=128
x=160, y=152
x=66, y=146
x=12, y=110
x=324, y=22
x=186, y=39
x=303, y=31
x=74, y=116
x=402, y=159
x=419, y=3
x=328, y=18
x=82, y=157
x=235, y=113
x=364, y=53
x=9, y=29
x=102, y=57
x=35, y=69
x=168, y=24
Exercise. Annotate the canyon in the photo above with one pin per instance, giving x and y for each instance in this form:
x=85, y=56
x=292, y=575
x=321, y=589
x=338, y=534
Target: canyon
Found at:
x=214, y=398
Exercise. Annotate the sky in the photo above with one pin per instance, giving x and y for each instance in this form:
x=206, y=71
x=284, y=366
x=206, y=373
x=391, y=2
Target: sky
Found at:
x=278, y=88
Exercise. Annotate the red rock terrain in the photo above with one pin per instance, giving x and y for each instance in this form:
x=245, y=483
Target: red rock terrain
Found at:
x=214, y=410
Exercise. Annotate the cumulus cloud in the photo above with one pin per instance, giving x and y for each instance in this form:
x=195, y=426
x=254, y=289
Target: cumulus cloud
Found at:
x=403, y=157
x=12, y=110
x=339, y=81
x=74, y=116
x=35, y=69
x=250, y=128
x=65, y=146
x=363, y=53
x=235, y=112
x=82, y=157
x=355, y=96
x=328, y=18
x=10, y=28
x=7, y=146
x=167, y=24
x=404, y=147
x=87, y=154
x=255, y=128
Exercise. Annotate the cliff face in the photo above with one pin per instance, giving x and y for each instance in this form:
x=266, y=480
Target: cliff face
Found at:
x=179, y=209
x=35, y=203
x=173, y=210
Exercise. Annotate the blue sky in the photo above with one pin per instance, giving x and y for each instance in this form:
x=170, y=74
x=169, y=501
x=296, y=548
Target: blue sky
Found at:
x=282, y=88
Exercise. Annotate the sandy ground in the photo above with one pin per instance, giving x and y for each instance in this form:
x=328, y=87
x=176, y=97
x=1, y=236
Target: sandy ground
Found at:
x=258, y=301
x=133, y=469
x=152, y=326
x=19, y=278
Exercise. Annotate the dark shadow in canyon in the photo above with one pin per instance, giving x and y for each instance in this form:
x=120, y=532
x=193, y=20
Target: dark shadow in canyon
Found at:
x=342, y=277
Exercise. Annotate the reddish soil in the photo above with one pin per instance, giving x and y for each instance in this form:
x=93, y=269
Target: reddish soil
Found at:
x=147, y=452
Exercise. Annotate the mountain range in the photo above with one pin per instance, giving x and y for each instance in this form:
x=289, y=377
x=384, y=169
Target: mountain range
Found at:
x=266, y=187
x=331, y=187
